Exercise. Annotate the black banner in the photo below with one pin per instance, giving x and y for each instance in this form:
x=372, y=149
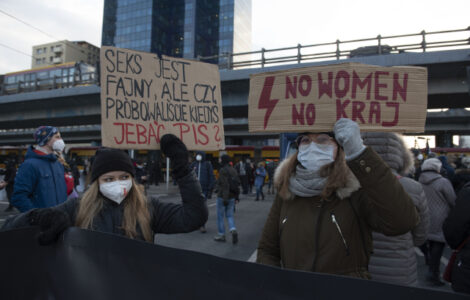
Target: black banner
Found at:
x=91, y=265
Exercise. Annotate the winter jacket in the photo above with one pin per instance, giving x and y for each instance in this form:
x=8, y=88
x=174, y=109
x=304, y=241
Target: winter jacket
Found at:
x=204, y=172
x=461, y=177
x=260, y=175
x=40, y=182
x=223, y=185
x=441, y=198
x=456, y=229
x=334, y=235
x=164, y=217
x=394, y=257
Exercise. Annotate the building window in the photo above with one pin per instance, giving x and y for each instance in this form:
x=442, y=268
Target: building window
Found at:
x=43, y=60
x=39, y=51
x=51, y=58
x=38, y=61
x=45, y=49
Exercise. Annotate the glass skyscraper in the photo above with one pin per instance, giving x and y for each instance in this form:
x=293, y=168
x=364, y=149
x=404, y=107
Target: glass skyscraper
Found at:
x=180, y=28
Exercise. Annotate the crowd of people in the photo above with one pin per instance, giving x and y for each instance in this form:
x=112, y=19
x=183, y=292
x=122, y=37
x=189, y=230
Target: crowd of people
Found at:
x=347, y=202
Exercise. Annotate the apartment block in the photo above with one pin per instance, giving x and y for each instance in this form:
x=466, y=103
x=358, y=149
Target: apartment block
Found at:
x=64, y=51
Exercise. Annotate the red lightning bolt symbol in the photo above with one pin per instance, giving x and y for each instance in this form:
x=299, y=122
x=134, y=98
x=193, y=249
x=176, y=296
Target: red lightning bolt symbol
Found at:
x=264, y=100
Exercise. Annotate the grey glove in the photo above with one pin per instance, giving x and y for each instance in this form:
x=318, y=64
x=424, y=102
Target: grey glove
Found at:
x=348, y=136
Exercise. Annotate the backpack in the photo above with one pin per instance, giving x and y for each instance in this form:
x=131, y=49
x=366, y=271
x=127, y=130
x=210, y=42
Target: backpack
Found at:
x=233, y=184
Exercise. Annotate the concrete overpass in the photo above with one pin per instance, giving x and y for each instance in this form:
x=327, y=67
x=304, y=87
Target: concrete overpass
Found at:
x=77, y=109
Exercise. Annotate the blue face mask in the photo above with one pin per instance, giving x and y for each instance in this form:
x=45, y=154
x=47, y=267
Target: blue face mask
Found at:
x=314, y=156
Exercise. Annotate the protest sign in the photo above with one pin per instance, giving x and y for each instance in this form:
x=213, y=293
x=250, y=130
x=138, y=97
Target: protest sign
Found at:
x=144, y=96
x=314, y=98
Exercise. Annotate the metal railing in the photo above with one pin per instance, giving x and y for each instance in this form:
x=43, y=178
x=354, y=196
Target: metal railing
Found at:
x=49, y=83
x=379, y=45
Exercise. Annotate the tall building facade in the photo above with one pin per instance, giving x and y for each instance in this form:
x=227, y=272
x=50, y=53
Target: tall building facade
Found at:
x=64, y=51
x=180, y=28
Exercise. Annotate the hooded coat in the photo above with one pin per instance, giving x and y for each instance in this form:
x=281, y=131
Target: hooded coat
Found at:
x=334, y=235
x=39, y=183
x=394, y=257
x=441, y=198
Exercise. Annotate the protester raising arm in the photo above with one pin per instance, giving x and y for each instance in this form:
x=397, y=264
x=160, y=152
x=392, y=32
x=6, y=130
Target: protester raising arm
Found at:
x=114, y=202
x=330, y=196
x=192, y=214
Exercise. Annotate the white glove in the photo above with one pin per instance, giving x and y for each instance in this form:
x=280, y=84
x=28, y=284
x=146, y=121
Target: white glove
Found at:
x=348, y=136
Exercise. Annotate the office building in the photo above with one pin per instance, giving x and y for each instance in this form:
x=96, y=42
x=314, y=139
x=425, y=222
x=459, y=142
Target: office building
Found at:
x=180, y=28
x=64, y=51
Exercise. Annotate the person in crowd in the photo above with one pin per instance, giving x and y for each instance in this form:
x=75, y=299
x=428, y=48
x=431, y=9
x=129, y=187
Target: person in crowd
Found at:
x=241, y=168
x=330, y=196
x=115, y=203
x=270, y=171
x=446, y=170
x=40, y=181
x=74, y=163
x=418, y=162
x=155, y=172
x=226, y=200
x=394, y=259
x=9, y=180
x=205, y=174
x=441, y=198
x=462, y=174
x=456, y=230
x=250, y=173
x=141, y=174
x=68, y=175
x=260, y=175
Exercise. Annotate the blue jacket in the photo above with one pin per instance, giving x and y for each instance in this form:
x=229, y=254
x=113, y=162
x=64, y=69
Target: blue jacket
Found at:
x=260, y=176
x=39, y=183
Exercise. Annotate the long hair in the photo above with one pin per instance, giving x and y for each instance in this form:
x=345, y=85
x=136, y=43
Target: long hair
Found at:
x=135, y=211
x=61, y=159
x=337, y=174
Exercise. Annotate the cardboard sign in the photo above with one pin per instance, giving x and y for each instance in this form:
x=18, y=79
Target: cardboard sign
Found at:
x=313, y=99
x=144, y=97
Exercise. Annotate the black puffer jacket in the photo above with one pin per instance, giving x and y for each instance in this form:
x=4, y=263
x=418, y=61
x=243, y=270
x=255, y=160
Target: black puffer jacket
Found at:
x=456, y=229
x=165, y=217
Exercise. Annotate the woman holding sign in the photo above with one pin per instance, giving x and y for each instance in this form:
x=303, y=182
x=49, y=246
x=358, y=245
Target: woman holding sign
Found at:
x=114, y=202
x=330, y=196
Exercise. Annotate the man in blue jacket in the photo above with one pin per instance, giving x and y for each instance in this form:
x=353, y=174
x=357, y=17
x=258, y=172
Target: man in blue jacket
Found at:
x=40, y=180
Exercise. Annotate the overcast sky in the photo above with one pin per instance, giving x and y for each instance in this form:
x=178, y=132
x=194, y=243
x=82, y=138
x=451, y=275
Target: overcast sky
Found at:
x=276, y=23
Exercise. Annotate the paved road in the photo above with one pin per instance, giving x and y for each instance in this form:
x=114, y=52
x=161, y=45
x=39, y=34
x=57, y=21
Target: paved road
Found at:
x=250, y=217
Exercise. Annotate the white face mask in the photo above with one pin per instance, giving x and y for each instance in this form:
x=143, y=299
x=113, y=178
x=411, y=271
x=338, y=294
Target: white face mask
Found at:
x=198, y=157
x=58, y=145
x=116, y=190
x=315, y=156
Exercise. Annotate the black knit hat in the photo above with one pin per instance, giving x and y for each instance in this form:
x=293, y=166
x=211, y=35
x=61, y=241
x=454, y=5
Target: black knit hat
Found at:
x=107, y=160
x=225, y=159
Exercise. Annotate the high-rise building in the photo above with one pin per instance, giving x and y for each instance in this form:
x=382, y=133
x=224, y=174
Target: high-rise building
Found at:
x=180, y=28
x=64, y=51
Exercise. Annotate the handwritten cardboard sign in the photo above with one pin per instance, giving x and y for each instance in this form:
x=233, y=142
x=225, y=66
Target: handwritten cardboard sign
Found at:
x=144, y=97
x=314, y=98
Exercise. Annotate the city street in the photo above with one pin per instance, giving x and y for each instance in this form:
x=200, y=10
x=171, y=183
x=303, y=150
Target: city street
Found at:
x=250, y=216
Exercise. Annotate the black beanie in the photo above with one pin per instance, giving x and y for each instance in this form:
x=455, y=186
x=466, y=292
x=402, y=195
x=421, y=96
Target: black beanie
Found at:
x=225, y=159
x=107, y=160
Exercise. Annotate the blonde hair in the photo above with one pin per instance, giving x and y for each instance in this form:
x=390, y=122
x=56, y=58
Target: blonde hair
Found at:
x=336, y=172
x=135, y=210
x=61, y=159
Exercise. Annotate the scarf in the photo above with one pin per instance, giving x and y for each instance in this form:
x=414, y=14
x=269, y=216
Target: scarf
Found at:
x=305, y=183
